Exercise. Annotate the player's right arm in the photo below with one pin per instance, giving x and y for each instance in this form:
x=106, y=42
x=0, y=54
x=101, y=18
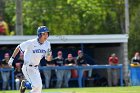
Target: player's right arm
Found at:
x=13, y=56
x=21, y=47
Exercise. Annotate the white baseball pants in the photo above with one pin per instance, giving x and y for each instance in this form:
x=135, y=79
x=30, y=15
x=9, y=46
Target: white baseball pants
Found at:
x=32, y=74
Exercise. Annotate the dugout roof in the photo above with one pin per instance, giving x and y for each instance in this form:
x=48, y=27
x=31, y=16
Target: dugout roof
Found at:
x=69, y=39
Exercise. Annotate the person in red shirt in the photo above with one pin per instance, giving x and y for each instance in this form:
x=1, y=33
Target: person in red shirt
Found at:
x=113, y=60
x=113, y=73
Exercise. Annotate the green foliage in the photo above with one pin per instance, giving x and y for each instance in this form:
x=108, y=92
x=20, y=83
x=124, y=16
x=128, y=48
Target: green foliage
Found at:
x=78, y=17
x=70, y=16
x=83, y=17
x=134, y=35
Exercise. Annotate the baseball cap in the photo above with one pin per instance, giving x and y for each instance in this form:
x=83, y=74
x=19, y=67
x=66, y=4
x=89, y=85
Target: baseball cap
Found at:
x=113, y=54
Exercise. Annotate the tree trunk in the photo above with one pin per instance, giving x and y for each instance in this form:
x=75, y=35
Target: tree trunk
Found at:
x=19, y=23
x=2, y=5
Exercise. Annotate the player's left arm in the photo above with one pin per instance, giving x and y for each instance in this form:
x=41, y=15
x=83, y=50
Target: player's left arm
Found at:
x=48, y=55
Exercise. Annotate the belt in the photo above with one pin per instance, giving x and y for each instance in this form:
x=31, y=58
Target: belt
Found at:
x=33, y=65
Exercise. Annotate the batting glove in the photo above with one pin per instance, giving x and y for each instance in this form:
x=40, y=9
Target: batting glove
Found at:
x=10, y=61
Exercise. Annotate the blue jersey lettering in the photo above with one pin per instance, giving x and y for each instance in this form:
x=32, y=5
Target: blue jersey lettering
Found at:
x=39, y=51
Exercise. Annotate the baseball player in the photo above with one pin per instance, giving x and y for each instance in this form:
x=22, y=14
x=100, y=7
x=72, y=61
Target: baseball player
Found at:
x=34, y=50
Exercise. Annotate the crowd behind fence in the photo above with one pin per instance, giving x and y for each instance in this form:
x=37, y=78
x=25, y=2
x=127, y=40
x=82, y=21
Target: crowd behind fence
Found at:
x=78, y=68
x=57, y=73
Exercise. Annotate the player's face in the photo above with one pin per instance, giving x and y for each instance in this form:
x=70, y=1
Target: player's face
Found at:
x=44, y=36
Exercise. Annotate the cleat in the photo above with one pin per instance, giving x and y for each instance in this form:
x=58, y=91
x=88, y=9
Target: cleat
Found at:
x=22, y=86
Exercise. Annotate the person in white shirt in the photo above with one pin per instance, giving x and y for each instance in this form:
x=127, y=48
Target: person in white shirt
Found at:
x=34, y=50
x=136, y=59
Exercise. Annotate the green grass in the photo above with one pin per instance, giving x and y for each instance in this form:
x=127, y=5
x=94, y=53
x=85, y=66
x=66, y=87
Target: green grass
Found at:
x=131, y=89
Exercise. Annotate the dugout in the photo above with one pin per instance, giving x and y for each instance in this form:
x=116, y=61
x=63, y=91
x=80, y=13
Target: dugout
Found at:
x=96, y=47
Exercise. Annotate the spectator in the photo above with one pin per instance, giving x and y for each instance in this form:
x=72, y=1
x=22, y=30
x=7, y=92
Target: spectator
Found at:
x=19, y=60
x=81, y=61
x=136, y=59
x=135, y=72
x=18, y=75
x=112, y=73
x=3, y=27
x=67, y=74
x=47, y=73
x=5, y=74
x=59, y=61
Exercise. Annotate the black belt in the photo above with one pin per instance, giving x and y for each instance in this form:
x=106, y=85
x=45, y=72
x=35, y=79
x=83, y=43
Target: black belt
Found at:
x=33, y=65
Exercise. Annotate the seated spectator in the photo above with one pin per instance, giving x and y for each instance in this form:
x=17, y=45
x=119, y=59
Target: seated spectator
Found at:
x=136, y=59
x=112, y=73
x=18, y=75
x=81, y=61
x=3, y=27
x=69, y=61
x=59, y=61
x=47, y=73
x=5, y=74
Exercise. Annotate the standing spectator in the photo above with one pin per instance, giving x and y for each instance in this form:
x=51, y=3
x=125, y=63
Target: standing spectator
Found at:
x=135, y=73
x=81, y=61
x=112, y=73
x=19, y=60
x=5, y=74
x=3, y=27
x=59, y=61
x=67, y=74
x=47, y=73
x=18, y=75
x=136, y=59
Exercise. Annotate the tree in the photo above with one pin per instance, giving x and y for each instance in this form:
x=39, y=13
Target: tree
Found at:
x=134, y=35
x=72, y=16
x=2, y=5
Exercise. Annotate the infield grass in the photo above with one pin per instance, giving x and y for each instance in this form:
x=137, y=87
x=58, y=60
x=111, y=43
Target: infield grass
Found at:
x=130, y=89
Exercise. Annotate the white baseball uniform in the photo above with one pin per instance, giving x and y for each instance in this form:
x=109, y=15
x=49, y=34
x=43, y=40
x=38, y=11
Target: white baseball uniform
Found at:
x=33, y=53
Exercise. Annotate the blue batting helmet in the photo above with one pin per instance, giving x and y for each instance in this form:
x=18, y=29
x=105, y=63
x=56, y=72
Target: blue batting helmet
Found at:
x=41, y=30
